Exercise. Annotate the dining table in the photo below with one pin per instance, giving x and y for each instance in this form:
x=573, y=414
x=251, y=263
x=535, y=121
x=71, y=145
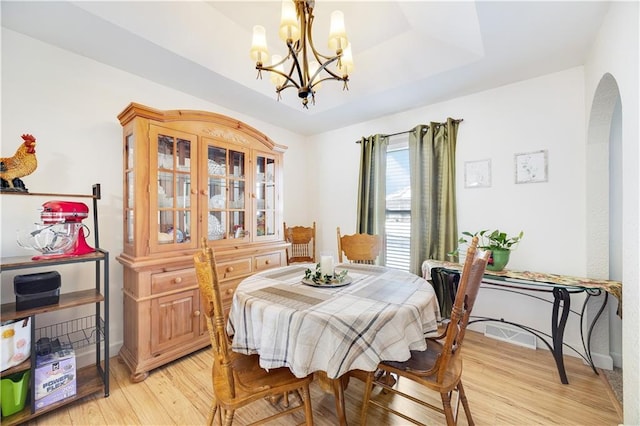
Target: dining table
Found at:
x=374, y=314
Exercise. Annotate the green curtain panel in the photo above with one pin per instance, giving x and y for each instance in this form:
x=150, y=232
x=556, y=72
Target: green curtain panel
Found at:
x=432, y=167
x=372, y=192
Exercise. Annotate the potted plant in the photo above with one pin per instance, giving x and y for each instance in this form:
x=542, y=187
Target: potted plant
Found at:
x=496, y=241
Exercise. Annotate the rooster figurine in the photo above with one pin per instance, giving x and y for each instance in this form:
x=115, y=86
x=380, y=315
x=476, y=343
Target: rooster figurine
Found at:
x=22, y=163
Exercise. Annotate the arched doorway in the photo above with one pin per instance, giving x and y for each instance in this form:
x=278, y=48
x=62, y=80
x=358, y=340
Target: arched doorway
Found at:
x=604, y=212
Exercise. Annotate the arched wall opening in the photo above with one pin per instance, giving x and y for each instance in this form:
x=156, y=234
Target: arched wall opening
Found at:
x=604, y=214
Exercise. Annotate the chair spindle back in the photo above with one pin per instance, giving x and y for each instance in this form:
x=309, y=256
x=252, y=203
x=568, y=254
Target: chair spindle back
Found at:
x=303, y=243
x=207, y=276
x=472, y=273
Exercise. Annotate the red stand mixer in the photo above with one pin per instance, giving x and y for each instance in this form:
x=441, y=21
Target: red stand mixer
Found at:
x=61, y=232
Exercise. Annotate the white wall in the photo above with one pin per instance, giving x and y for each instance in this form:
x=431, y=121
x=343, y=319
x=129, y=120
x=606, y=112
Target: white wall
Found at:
x=70, y=104
x=543, y=113
x=615, y=51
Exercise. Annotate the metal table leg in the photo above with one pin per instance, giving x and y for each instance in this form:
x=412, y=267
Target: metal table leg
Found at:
x=560, y=296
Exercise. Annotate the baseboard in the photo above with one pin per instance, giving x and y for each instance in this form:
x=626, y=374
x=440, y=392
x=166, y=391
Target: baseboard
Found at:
x=603, y=361
x=617, y=359
x=510, y=335
x=87, y=355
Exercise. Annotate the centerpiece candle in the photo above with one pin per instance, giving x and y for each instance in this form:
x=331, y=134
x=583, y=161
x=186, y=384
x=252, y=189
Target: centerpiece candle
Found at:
x=326, y=265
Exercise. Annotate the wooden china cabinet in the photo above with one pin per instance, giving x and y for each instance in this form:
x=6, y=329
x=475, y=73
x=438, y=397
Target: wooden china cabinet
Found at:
x=188, y=175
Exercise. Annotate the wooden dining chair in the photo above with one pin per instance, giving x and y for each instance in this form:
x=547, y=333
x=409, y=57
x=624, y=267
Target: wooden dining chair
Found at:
x=359, y=248
x=439, y=367
x=238, y=379
x=303, y=243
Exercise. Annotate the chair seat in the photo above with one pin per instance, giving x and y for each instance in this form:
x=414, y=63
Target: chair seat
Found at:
x=421, y=362
x=254, y=382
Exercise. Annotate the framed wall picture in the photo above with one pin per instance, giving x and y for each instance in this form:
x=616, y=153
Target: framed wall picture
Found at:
x=477, y=174
x=531, y=167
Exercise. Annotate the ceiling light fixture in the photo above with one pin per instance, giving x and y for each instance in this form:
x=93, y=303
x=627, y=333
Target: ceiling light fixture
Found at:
x=305, y=64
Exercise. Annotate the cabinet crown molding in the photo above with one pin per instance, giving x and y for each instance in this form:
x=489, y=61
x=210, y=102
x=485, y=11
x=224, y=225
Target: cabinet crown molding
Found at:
x=138, y=110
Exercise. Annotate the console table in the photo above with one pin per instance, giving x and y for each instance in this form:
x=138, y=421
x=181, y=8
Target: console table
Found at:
x=525, y=283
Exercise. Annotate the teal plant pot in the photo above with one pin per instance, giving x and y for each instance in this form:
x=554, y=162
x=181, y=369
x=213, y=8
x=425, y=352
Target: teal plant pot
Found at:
x=498, y=260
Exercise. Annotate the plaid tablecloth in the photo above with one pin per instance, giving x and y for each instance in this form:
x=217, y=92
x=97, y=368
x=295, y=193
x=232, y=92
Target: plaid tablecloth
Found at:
x=381, y=315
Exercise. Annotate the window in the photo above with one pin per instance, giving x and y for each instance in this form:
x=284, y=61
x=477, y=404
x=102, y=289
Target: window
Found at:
x=398, y=204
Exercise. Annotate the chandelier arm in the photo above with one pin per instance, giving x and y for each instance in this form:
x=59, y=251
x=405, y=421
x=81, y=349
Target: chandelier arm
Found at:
x=305, y=16
x=282, y=88
x=291, y=82
x=319, y=56
x=333, y=75
x=296, y=63
x=322, y=59
x=345, y=80
x=287, y=77
x=273, y=68
x=330, y=60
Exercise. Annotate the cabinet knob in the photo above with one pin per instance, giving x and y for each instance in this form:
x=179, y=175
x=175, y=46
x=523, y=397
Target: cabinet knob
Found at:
x=203, y=192
x=229, y=268
x=194, y=191
x=178, y=280
x=266, y=262
x=196, y=314
x=229, y=291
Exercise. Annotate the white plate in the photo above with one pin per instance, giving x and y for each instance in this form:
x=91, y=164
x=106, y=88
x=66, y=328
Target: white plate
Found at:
x=347, y=280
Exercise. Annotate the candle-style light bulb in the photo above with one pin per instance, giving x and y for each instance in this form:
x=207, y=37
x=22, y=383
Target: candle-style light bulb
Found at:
x=276, y=78
x=259, y=52
x=337, y=32
x=346, y=62
x=289, y=25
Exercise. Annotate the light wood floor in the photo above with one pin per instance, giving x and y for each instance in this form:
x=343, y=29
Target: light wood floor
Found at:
x=505, y=384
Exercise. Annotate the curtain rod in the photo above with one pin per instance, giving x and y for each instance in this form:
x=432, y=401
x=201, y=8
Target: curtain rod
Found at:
x=409, y=131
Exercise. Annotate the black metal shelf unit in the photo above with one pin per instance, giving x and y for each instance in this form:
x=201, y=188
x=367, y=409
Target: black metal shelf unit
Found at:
x=79, y=332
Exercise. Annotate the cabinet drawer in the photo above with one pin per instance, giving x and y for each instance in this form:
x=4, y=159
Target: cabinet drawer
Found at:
x=268, y=261
x=174, y=280
x=226, y=292
x=236, y=268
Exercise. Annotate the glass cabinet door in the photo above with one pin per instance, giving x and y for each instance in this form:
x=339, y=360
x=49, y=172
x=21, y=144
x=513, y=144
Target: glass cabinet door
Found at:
x=226, y=182
x=173, y=195
x=266, y=197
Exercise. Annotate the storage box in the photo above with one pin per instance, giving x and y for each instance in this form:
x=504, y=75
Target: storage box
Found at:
x=15, y=342
x=34, y=290
x=55, y=377
x=13, y=392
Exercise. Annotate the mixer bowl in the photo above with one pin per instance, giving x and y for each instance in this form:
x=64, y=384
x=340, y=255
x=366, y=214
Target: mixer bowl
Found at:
x=49, y=239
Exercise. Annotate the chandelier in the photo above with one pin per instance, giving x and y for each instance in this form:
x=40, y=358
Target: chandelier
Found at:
x=306, y=67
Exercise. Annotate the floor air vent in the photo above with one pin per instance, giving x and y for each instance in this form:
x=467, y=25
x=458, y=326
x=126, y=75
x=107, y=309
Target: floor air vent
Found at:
x=509, y=335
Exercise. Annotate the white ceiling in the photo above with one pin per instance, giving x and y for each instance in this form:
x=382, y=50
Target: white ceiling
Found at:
x=407, y=53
